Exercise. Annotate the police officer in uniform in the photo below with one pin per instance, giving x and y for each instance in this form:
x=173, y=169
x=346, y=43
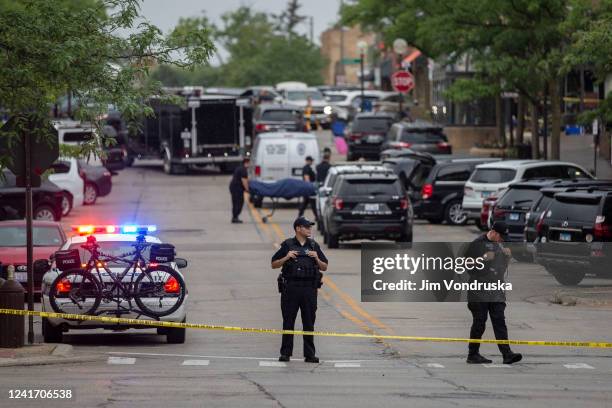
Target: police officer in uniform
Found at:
x=323, y=167
x=308, y=175
x=491, y=303
x=302, y=261
x=237, y=187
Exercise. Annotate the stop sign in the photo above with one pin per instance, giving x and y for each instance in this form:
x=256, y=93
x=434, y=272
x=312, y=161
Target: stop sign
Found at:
x=402, y=81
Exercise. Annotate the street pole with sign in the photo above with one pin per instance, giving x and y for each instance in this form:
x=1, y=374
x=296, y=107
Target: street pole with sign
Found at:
x=400, y=47
x=194, y=104
x=28, y=162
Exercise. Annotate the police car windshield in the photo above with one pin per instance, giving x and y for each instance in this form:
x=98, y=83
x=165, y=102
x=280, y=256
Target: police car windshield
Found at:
x=42, y=236
x=113, y=248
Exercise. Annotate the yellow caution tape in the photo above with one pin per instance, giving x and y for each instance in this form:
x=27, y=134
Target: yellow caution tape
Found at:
x=155, y=323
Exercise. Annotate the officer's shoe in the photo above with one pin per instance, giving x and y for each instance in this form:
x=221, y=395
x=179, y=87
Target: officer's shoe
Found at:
x=284, y=358
x=312, y=360
x=236, y=221
x=512, y=358
x=477, y=359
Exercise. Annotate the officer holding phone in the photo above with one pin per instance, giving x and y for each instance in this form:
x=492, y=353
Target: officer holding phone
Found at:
x=302, y=262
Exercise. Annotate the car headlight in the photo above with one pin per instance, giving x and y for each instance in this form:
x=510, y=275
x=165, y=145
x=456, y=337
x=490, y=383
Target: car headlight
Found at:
x=327, y=110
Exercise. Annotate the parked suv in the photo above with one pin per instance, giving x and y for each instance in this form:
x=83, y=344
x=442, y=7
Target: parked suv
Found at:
x=420, y=136
x=576, y=235
x=489, y=178
x=277, y=118
x=368, y=206
x=366, y=134
x=442, y=193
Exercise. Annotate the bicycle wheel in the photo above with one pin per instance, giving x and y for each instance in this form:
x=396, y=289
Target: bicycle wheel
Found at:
x=159, y=291
x=75, y=291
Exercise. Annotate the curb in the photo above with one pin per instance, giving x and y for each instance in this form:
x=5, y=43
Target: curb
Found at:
x=61, y=354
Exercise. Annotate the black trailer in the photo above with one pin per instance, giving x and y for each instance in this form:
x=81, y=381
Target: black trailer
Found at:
x=207, y=129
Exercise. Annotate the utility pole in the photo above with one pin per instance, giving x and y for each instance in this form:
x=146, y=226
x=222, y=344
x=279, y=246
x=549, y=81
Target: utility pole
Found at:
x=311, y=29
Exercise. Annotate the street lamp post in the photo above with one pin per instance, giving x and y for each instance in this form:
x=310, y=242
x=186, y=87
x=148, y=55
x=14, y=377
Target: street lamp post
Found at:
x=400, y=47
x=362, y=45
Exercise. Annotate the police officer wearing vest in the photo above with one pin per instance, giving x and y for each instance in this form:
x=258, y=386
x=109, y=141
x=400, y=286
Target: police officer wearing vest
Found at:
x=302, y=262
x=489, y=303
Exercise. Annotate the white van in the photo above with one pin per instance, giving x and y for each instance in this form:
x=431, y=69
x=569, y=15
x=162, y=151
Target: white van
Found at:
x=280, y=155
x=75, y=133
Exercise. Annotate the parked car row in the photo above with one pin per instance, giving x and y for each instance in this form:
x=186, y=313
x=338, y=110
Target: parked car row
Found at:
x=373, y=135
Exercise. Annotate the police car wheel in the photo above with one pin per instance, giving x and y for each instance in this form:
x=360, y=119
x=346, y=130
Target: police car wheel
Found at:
x=51, y=334
x=175, y=335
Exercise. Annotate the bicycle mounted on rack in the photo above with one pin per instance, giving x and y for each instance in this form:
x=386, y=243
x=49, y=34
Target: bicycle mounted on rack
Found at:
x=157, y=289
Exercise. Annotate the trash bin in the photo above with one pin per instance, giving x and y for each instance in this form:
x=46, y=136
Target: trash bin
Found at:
x=12, y=328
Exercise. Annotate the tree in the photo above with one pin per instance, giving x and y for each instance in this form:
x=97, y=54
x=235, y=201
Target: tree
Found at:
x=258, y=55
x=289, y=18
x=50, y=48
x=515, y=45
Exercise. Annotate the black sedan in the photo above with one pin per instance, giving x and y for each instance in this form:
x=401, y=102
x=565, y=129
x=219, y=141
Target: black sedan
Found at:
x=98, y=182
x=46, y=199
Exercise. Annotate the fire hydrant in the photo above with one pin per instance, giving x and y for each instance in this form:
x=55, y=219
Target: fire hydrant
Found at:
x=12, y=327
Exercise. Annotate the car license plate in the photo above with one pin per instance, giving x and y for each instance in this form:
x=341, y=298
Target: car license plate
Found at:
x=485, y=194
x=21, y=276
x=371, y=207
x=374, y=139
x=514, y=216
x=565, y=236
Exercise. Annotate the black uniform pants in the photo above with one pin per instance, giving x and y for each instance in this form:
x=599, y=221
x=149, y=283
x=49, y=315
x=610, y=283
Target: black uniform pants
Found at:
x=480, y=310
x=306, y=201
x=303, y=298
x=237, y=202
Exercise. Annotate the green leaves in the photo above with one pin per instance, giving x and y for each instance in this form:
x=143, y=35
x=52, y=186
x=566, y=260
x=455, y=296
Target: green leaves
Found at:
x=51, y=48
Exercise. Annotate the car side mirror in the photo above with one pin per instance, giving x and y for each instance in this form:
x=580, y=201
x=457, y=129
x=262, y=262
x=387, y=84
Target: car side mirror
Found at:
x=41, y=266
x=180, y=262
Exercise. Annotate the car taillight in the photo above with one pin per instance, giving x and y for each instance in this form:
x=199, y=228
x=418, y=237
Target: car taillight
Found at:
x=540, y=222
x=63, y=286
x=404, y=204
x=498, y=212
x=443, y=145
x=172, y=285
x=338, y=203
x=258, y=171
x=426, y=191
x=402, y=145
x=355, y=136
x=601, y=230
x=260, y=127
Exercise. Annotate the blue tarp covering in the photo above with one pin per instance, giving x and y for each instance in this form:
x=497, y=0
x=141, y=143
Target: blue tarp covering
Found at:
x=285, y=188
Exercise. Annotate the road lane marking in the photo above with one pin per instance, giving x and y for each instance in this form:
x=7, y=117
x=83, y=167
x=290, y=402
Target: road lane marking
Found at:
x=191, y=355
x=435, y=365
x=347, y=365
x=272, y=364
x=496, y=365
x=121, y=360
x=196, y=362
x=579, y=366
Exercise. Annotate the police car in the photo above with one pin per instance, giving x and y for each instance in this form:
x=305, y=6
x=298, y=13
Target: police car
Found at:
x=113, y=240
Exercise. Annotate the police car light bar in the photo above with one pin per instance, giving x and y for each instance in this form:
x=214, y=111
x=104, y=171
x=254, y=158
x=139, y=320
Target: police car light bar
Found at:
x=113, y=229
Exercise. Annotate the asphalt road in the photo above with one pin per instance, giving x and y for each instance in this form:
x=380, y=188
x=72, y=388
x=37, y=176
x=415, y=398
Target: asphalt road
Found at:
x=230, y=283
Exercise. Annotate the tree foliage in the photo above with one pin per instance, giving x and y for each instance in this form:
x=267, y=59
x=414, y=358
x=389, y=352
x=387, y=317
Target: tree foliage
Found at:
x=258, y=54
x=50, y=48
x=513, y=45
